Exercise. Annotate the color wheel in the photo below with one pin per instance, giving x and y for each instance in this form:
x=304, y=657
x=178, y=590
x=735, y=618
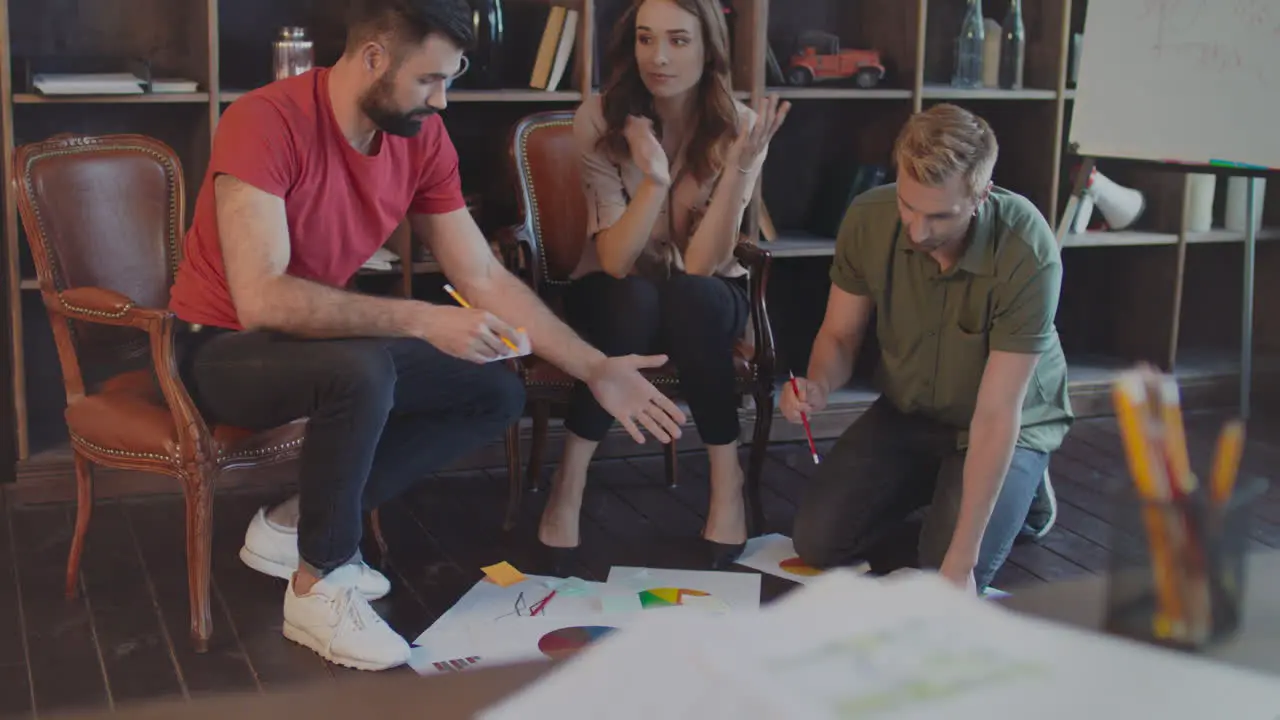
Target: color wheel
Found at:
x=667, y=597
x=567, y=641
x=796, y=567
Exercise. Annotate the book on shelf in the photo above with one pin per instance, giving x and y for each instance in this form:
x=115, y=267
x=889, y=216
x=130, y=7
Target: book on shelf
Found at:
x=107, y=84
x=174, y=85
x=555, y=49
x=88, y=84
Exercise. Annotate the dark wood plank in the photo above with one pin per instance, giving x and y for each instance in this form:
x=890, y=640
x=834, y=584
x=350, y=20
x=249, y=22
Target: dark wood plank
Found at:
x=1011, y=576
x=158, y=528
x=66, y=669
x=1096, y=529
x=15, y=693
x=671, y=510
x=12, y=647
x=1078, y=549
x=463, y=513
x=137, y=653
x=1045, y=563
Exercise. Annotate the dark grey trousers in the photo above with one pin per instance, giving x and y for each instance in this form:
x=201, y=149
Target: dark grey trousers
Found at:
x=886, y=466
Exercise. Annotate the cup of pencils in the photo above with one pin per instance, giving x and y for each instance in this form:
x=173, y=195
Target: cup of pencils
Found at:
x=1177, y=569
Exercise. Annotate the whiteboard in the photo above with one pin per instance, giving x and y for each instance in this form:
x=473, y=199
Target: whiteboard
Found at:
x=1186, y=81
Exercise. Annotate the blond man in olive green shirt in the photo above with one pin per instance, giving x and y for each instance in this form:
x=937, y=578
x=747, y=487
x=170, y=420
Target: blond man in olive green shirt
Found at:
x=963, y=279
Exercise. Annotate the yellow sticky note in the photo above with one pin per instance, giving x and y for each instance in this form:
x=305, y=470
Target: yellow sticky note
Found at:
x=503, y=574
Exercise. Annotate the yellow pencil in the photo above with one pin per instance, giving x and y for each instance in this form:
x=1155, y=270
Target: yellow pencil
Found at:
x=1175, y=435
x=456, y=296
x=1129, y=395
x=1226, y=460
x=1189, y=533
x=462, y=301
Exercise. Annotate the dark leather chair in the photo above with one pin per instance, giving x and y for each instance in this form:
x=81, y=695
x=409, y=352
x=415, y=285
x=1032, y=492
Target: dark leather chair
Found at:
x=104, y=219
x=544, y=248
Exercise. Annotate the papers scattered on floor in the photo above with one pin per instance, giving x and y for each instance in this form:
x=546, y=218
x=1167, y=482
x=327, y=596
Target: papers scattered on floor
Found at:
x=541, y=617
x=850, y=646
x=776, y=555
x=712, y=591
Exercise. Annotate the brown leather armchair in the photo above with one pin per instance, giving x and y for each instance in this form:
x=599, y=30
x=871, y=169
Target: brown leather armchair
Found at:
x=544, y=248
x=104, y=220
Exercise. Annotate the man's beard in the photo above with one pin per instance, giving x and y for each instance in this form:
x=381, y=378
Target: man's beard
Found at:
x=377, y=105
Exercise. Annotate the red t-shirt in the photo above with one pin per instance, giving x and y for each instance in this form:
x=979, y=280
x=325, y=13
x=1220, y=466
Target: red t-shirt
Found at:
x=341, y=205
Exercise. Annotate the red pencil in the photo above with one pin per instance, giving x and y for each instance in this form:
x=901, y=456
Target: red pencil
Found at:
x=795, y=388
x=542, y=604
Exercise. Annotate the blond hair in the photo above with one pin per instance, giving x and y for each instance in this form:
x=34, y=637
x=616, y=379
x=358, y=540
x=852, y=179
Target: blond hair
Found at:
x=943, y=142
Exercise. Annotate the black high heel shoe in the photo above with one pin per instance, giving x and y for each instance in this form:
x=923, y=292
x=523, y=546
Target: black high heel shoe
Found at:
x=557, y=561
x=721, y=555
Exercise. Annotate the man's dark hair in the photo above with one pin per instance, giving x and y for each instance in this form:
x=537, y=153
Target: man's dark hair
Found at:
x=409, y=21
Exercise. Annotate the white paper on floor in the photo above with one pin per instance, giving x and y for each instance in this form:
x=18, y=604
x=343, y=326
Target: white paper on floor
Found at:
x=713, y=591
x=492, y=625
x=776, y=555
x=908, y=648
x=450, y=638
x=464, y=645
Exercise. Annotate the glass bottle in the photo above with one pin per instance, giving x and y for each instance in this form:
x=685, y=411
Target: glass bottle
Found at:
x=969, y=43
x=294, y=52
x=1013, y=47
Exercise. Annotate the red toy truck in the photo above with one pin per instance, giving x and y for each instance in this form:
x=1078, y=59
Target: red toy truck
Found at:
x=820, y=58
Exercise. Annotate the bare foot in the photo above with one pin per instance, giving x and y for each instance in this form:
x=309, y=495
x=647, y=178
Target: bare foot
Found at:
x=559, y=525
x=727, y=515
x=303, y=581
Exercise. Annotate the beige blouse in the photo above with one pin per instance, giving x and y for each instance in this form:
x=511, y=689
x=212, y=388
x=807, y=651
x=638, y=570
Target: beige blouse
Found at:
x=609, y=185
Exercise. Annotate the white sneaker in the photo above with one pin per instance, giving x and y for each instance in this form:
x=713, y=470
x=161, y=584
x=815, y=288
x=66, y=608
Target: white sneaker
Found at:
x=337, y=623
x=274, y=551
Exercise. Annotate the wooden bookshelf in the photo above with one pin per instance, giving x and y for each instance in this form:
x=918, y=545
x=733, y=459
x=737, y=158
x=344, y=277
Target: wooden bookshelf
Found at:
x=1121, y=289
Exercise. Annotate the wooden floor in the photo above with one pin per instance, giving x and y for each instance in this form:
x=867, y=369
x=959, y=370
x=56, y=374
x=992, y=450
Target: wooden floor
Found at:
x=125, y=640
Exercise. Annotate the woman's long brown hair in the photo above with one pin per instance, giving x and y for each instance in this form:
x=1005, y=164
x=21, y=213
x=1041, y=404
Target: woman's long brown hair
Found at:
x=716, y=122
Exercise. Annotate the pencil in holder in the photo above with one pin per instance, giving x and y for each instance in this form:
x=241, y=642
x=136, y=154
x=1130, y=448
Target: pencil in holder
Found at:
x=1177, y=569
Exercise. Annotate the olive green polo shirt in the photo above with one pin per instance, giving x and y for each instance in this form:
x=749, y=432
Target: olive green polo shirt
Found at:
x=935, y=328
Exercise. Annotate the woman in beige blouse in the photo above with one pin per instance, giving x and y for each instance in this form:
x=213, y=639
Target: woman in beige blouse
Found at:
x=669, y=162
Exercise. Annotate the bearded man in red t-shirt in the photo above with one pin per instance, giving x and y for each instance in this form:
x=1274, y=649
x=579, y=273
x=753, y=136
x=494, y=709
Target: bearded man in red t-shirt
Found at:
x=308, y=177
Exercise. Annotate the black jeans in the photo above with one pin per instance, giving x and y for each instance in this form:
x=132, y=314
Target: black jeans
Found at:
x=382, y=415
x=888, y=464
x=693, y=319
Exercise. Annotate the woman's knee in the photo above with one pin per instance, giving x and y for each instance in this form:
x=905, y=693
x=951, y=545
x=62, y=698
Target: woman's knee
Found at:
x=697, y=306
x=619, y=316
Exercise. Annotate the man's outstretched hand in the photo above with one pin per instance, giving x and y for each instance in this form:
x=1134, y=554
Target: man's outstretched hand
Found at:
x=625, y=394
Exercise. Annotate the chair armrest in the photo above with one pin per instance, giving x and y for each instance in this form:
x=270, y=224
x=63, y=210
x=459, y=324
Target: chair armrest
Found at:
x=758, y=261
x=518, y=254
x=104, y=307
x=108, y=307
